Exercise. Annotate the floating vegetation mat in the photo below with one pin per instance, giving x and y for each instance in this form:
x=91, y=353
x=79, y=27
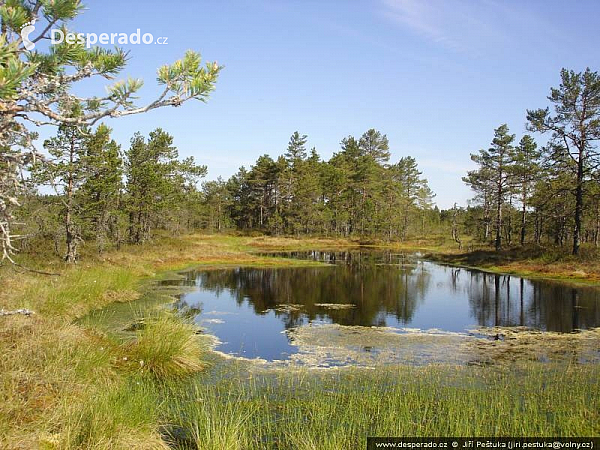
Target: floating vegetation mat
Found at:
x=498, y=345
x=173, y=290
x=335, y=305
x=288, y=307
x=330, y=345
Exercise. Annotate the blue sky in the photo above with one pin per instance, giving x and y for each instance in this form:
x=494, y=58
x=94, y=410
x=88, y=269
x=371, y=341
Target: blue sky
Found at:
x=436, y=76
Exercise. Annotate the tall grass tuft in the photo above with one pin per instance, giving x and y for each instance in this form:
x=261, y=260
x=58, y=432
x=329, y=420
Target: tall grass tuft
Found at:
x=212, y=420
x=166, y=347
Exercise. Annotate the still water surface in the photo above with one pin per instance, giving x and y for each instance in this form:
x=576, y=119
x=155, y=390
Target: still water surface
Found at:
x=250, y=309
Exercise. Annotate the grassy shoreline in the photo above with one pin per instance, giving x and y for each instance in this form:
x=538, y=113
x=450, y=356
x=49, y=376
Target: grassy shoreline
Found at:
x=67, y=384
x=50, y=362
x=534, y=263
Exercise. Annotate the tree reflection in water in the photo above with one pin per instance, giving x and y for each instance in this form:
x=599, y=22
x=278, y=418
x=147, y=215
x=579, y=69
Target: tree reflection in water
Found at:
x=388, y=289
x=248, y=309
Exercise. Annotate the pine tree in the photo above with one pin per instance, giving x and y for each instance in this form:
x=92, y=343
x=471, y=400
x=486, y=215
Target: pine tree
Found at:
x=415, y=193
x=375, y=145
x=101, y=191
x=554, y=208
x=526, y=171
x=338, y=193
x=241, y=197
x=356, y=190
x=495, y=165
x=217, y=199
x=295, y=157
x=480, y=183
x=262, y=179
x=296, y=150
x=156, y=181
x=575, y=130
x=66, y=173
x=374, y=156
x=308, y=193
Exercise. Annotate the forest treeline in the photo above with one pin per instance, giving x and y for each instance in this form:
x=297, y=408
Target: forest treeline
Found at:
x=109, y=196
x=542, y=188
x=525, y=193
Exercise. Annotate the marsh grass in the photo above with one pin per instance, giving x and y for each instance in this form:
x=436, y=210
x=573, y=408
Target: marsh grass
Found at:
x=53, y=359
x=338, y=409
x=209, y=419
x=65, y=385
x=122, y=414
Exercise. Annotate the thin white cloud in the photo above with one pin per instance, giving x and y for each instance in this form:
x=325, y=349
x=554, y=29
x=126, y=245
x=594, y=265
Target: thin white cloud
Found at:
x=466, y=26
x=424, y=18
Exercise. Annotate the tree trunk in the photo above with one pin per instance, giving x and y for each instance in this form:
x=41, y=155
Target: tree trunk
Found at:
x=509, y=227
x=597, y=232
x=578, y=205
x=498, y=242
x=101, y=233
x=132, y=227
x=523, y=220
x=71, y=238
x=486, y=218
x=219, y=217
x=261, y=215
